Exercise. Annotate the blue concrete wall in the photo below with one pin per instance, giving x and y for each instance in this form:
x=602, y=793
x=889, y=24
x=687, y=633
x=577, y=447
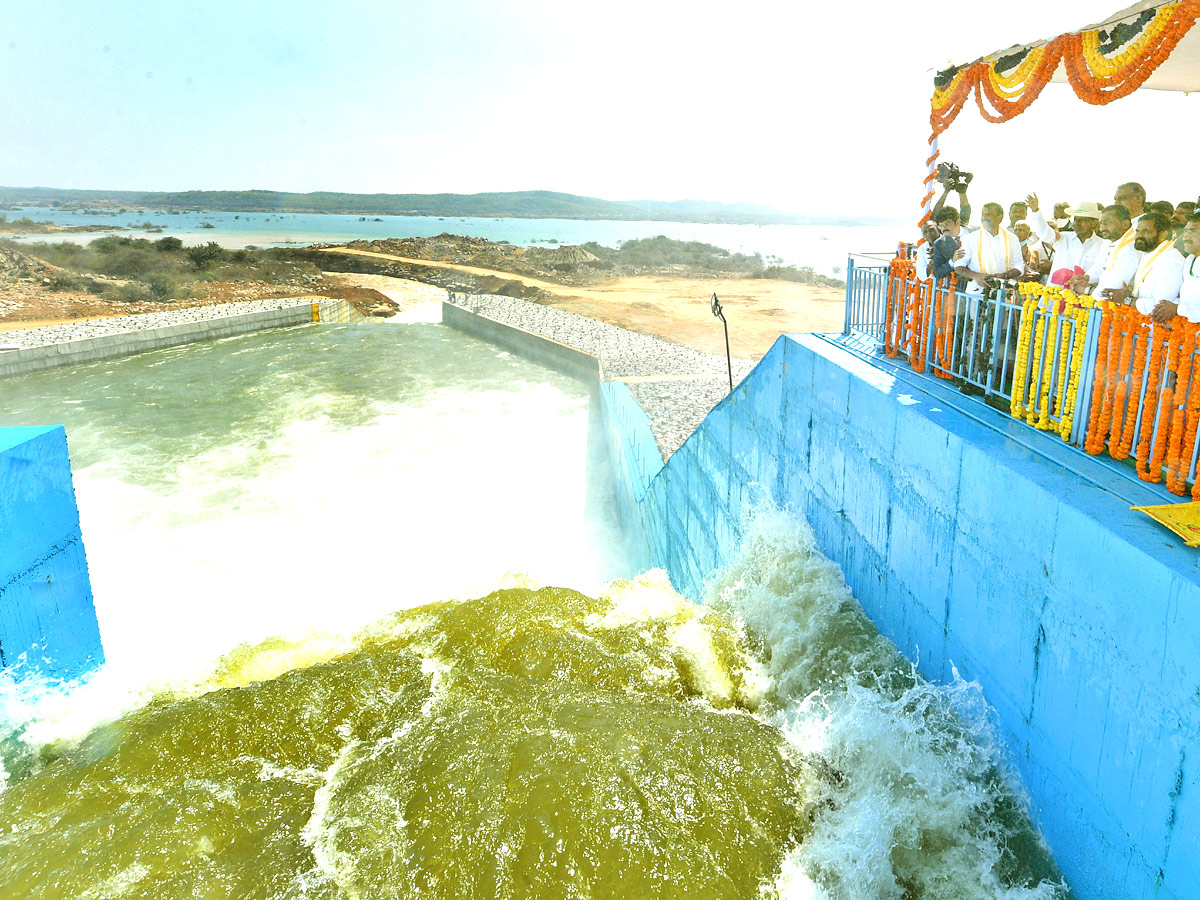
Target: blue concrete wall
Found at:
x=1080, y=619
x=46, y=610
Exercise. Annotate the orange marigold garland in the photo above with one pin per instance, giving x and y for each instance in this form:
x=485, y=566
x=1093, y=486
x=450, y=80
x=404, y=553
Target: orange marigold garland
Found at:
x=1176, y=471
x=1101, y=411
x=1135, y=376
x=1121, y=376
x=1149, y=407
x=900, y=272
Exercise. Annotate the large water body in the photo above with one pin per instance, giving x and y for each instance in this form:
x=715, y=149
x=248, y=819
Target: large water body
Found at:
x=824, y=248
x=371, y=633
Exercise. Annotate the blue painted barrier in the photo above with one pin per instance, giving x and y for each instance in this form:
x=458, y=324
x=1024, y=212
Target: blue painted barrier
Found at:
x=47, y=620
x=1080, y=619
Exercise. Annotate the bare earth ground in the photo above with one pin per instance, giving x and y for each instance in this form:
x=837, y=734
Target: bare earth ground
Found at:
x=677, y=309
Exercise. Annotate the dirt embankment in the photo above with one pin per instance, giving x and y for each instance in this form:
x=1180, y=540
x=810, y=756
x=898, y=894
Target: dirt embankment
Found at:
x=30, y=295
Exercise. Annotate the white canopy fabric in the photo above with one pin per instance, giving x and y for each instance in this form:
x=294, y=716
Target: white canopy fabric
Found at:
x=1180, y=71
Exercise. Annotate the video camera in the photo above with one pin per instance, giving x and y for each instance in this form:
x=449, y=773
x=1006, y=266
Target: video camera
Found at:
x=953, y=177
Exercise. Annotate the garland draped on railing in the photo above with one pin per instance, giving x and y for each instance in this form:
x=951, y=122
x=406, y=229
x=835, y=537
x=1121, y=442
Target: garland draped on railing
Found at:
x=1158, y=428
x=1145, y=385
x=1045, y=351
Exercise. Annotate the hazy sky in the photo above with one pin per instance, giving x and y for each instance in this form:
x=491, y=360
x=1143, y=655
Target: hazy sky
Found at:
x=817, y=108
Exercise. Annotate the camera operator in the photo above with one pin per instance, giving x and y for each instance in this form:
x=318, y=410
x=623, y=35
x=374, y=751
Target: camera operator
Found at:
x=952, y=178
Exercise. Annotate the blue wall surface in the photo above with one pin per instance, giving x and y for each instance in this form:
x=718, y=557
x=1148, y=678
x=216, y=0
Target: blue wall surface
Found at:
x=46, y=611
x=1080, y=619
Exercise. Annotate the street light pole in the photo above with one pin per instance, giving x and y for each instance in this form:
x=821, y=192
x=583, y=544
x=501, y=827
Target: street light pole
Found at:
x=720, y=314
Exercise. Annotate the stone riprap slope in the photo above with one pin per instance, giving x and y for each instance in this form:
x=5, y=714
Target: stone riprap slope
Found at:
x=675, y=385
x=94, y=328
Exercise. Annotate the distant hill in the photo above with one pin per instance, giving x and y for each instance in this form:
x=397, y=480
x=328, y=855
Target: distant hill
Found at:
x=514, y=204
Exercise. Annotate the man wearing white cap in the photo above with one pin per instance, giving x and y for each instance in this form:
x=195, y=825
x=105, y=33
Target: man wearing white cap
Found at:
x=1079, y=248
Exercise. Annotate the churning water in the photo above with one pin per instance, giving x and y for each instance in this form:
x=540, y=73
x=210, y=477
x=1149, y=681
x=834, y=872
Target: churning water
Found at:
x=333, y=673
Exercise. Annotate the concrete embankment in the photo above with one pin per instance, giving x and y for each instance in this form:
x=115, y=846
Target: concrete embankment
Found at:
x=97, y=339
x=980, y=554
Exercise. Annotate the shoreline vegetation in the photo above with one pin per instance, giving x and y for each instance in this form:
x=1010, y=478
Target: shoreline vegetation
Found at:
x=510, y=205
x=130, y=269
x=652, y=285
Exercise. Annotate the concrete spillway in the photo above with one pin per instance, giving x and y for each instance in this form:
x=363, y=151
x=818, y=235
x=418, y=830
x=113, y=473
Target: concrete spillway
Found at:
x=976, y=555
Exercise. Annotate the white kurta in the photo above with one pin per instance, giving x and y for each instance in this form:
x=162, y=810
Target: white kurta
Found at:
x=1069, y=250
x=1116, y=266
x=1158, y=278
x=991, y=254
x=1189, y=290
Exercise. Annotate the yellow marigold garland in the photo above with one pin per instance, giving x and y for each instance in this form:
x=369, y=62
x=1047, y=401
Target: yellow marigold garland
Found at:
x=1042, y=345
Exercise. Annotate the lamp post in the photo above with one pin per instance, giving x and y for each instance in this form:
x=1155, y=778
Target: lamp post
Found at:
x=720, y=314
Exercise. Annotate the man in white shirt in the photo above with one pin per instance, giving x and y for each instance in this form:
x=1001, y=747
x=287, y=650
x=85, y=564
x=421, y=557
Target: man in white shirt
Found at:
x=1189, y=288
x=1080, y=247
x=991, y=251
x=1160, y=270
x=930, y=234
x=1116, y=265
x=1132, y=196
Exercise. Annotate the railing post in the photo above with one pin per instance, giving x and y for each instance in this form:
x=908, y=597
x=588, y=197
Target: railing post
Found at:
x=849, y=295
x=990, y=358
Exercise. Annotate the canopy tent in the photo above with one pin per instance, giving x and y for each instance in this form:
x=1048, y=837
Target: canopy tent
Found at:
x=1149, y=45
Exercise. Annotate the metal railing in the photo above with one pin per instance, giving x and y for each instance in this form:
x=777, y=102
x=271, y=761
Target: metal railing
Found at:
x=1102, y=377
x=866, y=299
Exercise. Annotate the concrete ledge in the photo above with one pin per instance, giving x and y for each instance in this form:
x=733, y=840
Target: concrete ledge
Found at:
x=46, y=611
x=139, y=339
x=531, y=346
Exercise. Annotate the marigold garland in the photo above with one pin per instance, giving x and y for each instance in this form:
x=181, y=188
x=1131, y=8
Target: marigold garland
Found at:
x=901, y=271
x=1101, y=411
x=1120, y=375
x=1049, y=354
x=1149, y=408
x=1095, y=78
x=1176, y=470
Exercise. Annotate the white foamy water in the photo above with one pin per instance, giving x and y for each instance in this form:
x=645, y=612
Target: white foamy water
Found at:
x=304, y=483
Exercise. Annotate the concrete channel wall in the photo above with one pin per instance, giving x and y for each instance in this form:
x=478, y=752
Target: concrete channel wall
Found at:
x=127, y=343
x=47, y=620
x=975, y=553
x=1080, y=619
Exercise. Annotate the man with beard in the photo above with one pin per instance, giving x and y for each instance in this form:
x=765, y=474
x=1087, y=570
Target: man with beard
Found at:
x=991, y=251
x=1160, y=271
x=1189, y=288
x=1116, y=264
x=1078, y=248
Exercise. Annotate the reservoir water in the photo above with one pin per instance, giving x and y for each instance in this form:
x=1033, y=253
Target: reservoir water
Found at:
x=822, y=247
x=371, y=634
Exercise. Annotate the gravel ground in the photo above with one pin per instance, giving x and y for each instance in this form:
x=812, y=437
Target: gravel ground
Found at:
x=84, y=329
x=675, y=405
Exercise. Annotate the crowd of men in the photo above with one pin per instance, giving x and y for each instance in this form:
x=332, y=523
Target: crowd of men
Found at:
x=1129, y=251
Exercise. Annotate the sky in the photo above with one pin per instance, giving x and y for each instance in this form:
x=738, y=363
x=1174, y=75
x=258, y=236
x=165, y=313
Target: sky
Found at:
x=818, y=109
